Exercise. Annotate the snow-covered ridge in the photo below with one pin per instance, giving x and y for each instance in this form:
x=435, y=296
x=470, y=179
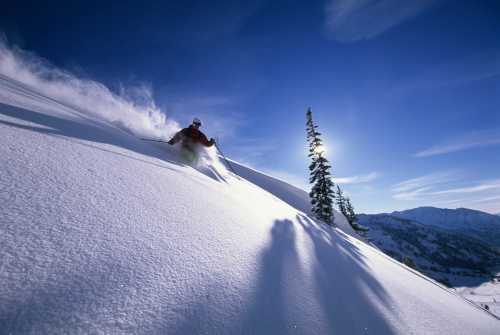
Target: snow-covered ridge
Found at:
x=470, y=222
x=103, y=233
x=292, y=195
x=451, y=252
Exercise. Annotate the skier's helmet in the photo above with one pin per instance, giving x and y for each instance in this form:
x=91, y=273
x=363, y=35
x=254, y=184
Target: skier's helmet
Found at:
x=197, y=122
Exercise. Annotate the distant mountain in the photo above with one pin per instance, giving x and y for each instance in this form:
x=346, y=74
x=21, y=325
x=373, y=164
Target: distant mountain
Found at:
x=473, y=223
x=450, y=246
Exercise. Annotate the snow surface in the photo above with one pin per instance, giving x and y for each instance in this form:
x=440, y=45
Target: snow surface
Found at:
x=486, y=295
x=103, y=233
x=292, y=195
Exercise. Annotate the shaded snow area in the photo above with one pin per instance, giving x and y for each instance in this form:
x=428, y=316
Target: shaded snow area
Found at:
x=102, y=233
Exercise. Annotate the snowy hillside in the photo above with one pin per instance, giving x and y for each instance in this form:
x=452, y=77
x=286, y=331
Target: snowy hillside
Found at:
x=103, y=233
x=292, y=195
x=466, y=221
x=449, y=256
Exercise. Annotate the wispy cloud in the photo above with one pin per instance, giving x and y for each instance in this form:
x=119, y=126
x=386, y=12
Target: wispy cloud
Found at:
x=465, y=142
x=353, y=20
x=416, y=188
x=449, y=188
x=357, y=179
x=487, y=199
x=480, y=187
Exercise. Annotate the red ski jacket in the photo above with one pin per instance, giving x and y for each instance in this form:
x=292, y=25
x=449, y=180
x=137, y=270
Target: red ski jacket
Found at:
x=194, y=135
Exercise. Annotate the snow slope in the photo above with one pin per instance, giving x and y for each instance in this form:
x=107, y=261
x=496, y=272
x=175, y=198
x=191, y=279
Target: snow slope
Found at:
x=102, y=233
x=292, y=195
x=486, y=295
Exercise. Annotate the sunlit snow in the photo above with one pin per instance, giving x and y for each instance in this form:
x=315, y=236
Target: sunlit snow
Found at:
x=102, y=233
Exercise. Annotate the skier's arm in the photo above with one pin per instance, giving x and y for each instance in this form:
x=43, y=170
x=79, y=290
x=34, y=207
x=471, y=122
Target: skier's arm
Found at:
x=205, y=141
x=177, y=137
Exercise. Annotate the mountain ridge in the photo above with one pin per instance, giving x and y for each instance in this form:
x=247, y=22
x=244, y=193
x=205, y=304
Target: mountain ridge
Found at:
x=458, y=254
x=471, y=222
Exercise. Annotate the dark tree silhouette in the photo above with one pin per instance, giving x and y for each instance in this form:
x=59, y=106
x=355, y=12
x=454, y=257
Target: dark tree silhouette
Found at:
x=340, y=200
x=321, y=192
x=349, y=211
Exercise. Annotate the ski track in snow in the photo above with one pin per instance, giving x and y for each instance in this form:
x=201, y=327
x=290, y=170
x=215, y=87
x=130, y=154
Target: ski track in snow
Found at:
x=102, y=233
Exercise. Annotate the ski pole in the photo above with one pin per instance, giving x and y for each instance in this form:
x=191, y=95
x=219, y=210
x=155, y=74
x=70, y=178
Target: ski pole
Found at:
x=225, y=159
x=153, y=140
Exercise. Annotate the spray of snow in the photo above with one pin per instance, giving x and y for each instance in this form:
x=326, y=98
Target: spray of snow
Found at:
x=132, y=109
x=210, y=158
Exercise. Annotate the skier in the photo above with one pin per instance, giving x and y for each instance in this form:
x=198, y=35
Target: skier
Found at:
x=190, y=138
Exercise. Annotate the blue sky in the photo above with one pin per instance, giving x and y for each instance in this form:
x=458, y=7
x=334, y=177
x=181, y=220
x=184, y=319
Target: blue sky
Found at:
x=406, y=93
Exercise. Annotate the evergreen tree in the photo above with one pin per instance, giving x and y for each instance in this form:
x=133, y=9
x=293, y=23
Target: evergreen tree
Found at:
x=321, y=192
x=346, y=207
x=340, y=200
x=349, y=211
x=352, y=217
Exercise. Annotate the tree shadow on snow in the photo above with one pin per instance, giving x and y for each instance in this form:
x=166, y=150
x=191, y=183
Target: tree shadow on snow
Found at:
x=350, y=299
x=350, y=296
x=279, y=262
x=264, y=313
x=52, y=125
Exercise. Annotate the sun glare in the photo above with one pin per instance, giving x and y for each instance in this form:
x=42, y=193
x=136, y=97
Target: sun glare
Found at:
x=320, y=149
